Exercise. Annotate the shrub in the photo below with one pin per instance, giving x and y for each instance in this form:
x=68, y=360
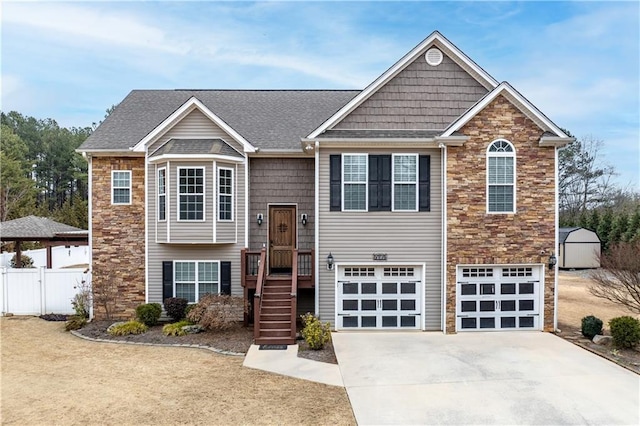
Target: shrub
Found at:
x=149, y=313
x=625, y=331
x=175, y=329
x=175, y=307
x=25, y=261
x=216, y=312
x=591, y=326
x=314, y=332
x=125, y=328
x=75, y=322
x=188, y=309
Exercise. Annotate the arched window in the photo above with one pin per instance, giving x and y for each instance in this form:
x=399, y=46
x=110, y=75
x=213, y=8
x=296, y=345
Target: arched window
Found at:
x=501, y=177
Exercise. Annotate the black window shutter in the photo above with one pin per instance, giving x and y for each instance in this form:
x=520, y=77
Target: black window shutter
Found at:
x=379, y=183
x=225, y=278
x=424, y=183
x=167, y=280
x=335, y=184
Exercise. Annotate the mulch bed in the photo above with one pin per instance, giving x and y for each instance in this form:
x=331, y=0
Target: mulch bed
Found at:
x=237, y=340
x=628, y=358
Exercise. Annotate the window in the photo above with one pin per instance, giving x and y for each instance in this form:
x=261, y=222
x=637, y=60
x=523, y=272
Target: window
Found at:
x=374, y=183
x=405, y=182
x=162, y=194
x=501, y=177
x=195, y=279
x=225, y=194
x=191, y=193
x=121, y=187
x=354, y=178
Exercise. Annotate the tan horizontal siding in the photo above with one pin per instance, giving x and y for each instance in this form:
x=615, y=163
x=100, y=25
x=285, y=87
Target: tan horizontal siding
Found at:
x=406, y=237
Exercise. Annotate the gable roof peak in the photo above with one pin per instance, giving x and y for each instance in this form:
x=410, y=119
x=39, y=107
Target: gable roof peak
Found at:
x=435, y=38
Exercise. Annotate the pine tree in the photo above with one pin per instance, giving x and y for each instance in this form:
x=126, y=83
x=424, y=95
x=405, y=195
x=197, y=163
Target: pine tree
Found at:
x=594, y=221
x=583, y=220
x=619, y=228
x=633, y=228
x=604, y=228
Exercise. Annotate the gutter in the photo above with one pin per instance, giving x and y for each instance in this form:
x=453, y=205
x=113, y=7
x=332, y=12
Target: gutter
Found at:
x=443, y=266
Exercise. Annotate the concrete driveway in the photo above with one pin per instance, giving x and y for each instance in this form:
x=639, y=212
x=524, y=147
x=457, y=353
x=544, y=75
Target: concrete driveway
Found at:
x=482, y=378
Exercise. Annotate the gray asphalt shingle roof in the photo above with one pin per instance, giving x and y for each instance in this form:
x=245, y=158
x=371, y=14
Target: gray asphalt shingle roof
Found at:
x=563, y=233
x=196, y=146
x=38, y=228
x=375, y=134
x=268, y=119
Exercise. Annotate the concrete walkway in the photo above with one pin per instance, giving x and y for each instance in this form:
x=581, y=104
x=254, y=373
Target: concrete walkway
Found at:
x=287, y=363
x=482, y=378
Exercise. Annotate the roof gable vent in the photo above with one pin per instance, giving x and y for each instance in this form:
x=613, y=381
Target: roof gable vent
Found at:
x=433, y=57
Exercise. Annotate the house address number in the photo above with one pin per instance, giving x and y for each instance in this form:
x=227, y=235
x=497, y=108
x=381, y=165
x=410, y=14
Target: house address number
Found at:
x=380, y=256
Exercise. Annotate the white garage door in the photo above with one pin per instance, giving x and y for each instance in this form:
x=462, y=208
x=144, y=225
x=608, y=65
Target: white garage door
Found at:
x=498, y=298
x=379, y=297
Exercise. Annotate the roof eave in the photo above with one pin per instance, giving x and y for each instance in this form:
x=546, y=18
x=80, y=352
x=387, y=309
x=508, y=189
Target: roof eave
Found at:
x=555, y=141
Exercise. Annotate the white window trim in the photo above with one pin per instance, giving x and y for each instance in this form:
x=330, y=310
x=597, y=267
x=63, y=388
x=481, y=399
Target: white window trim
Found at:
x=158, y=195
x=515, y=169
x=366, y=182
x=393, y=182
x=204, y=194
x=233, y=182
x=113, y=187
x=197, y=284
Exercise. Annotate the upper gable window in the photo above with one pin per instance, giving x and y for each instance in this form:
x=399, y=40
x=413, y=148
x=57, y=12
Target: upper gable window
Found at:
x=121, y=187
x=191, y=193
x=501, y=177
x=225, y=194
x=354, y=174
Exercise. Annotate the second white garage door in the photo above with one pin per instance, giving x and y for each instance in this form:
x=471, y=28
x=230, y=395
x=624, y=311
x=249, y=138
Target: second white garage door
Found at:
x=505, y=297
x=379, y=297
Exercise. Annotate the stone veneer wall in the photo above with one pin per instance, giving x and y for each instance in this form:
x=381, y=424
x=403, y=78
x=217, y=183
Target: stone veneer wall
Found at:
x=475, y=237
x=118, y=236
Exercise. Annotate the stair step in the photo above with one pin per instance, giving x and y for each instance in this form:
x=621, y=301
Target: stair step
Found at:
x=275, y=310
x=275, y=332
x=275, y=341
x=281, y=296
x=272, y=278
x=276, y=289
x=271, y=325
x=275, y=316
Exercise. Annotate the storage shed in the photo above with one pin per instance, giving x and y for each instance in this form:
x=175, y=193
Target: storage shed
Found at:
x=579, y=248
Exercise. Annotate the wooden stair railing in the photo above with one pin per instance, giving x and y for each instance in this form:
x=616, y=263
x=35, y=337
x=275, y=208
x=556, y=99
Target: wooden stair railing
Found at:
x=294, y=294
x=257, y=297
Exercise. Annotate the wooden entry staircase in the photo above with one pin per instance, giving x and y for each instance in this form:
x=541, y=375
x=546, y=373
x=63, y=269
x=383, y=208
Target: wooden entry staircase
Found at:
x=275, y=305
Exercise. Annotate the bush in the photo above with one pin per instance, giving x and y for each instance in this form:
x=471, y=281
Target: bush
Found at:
x=314, y=332
x=126, y=328
x=175, y=329
x=625, y=331
x=26, y=261
x=188, y=309
x=75, y=322
x=175, y=307
x=149, y=313
x=216, y=311
x=591, y=326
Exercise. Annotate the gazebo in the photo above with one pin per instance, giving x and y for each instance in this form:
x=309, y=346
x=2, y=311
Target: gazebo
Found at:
x=48, y=232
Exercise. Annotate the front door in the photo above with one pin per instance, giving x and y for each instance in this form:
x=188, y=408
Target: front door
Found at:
x=282, y=238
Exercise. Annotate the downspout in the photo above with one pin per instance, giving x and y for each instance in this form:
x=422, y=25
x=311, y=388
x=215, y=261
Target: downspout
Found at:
x=90, y=190
x=247, y=202
x=146, y=225
x=555, y=244
x=443, y=162
x=317, y=226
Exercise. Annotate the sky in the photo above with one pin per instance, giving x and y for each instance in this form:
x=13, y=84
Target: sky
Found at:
x=578, y=62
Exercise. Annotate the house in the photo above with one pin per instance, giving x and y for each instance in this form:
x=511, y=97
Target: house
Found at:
x=426, y=201
x=579, y=248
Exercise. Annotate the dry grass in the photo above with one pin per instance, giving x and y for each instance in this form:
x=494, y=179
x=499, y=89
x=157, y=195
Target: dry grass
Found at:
x=49, y=376
x=575, y=302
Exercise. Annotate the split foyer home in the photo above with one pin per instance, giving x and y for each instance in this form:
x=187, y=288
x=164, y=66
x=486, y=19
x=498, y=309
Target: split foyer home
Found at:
x=426, y=201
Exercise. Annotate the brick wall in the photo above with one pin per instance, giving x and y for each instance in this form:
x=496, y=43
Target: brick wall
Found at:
x=118, y=237
x=475, y=237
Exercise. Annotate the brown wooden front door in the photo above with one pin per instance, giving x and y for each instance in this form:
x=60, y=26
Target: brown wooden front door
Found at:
x=282, y=237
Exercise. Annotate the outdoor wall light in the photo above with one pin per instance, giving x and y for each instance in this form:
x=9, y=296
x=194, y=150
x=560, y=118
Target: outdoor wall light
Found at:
x=330, y=262
x=303, y=219
x=259, y=219
x=552, y=260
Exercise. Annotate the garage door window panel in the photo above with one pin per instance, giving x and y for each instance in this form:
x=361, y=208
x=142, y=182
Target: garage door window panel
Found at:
x=369, y=305
x=369, y=288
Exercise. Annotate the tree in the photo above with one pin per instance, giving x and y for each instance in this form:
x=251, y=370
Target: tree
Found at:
x=633, y=229
x=619, y=278
x=619, y=227
x=17, y=189
x=584, y=178
x=593, y=222
x=604, y=228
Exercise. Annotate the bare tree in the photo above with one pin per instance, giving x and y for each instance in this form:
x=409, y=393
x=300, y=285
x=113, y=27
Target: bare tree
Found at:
x=619, y=279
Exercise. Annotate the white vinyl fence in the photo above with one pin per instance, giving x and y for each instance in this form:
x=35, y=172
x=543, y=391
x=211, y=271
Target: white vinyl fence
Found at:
x=61, y=256
x=38, y=291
